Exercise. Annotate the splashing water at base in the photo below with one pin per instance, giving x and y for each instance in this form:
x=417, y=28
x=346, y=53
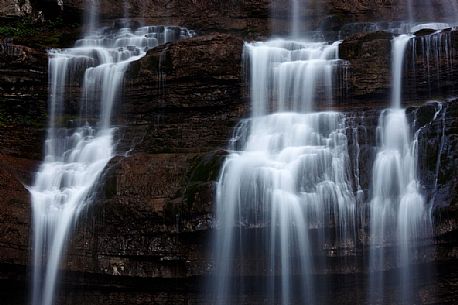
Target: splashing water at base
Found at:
x=291, y=177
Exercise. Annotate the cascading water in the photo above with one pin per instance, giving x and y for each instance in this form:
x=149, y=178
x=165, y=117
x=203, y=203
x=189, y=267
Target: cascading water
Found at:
x=288, y=178
x=279, y=68
x=288, y=174
x=77, y=155
x=432, y=59
x=397, y=210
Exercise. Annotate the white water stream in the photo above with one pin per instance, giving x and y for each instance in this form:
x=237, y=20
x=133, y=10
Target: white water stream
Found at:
x=288, y=171
x=76, y=156
x=398, y=214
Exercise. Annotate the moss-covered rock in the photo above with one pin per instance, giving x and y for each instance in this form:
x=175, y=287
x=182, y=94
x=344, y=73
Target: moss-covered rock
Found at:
x=198, y=194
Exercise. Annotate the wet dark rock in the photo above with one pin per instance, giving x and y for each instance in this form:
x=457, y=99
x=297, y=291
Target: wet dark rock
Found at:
x=250, y=18
x=426, y=74
x=331, y=23
x=348, y=30
x=14, y=210
x=431, y=74
x=369, y=55
x=131, y=24
x=200, y=188
x=194, y=96
x=23, y=106
x=424, y=32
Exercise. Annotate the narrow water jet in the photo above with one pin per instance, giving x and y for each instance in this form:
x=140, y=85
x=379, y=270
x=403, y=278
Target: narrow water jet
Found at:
x=398, y=53
x=91, y=17
x=296, y=11
x=398, y=213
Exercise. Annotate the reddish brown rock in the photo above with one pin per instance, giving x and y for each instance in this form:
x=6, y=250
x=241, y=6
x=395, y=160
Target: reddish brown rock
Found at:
x=184, y=97
x=369, y=55
x=15, y=175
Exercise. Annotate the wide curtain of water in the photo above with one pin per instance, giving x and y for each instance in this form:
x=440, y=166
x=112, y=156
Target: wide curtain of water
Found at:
x=287, y=179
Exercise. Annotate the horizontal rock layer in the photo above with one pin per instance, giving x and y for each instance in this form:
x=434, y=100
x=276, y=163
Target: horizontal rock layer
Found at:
x=249, y=18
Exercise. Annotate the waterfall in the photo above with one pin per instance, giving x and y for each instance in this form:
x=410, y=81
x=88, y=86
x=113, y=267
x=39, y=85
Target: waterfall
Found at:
x=279, y=68
x=398, y=53
x=287, y=182
x=437, y=54
x=397, y=210
x=78, y=151
x=91, y=18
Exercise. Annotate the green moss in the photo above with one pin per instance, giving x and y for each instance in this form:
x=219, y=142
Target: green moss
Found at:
x=22, y=120
x=19, y=30
x=205, y=170
x=170, y=212
x=16, y=202
x=26, y=27
x=30, y=32
x=111, y=186
x=194, y=200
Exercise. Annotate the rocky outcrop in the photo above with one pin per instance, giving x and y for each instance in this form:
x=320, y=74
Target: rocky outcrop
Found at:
x=23, y=115
x=431, y=65
x=438, y=158
x=429, y=70
x=249, y=18
x=15, y=8
x=370, y=60
x=187, y=95
x=23, y=110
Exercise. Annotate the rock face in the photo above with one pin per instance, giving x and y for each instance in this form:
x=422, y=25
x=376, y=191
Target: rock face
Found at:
x=15, y=8
x=369, y=55
x=195, y=84
x=23, y=107
x=144, y=238
x=171, y=129
x=248, y=18
x=427, y=73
